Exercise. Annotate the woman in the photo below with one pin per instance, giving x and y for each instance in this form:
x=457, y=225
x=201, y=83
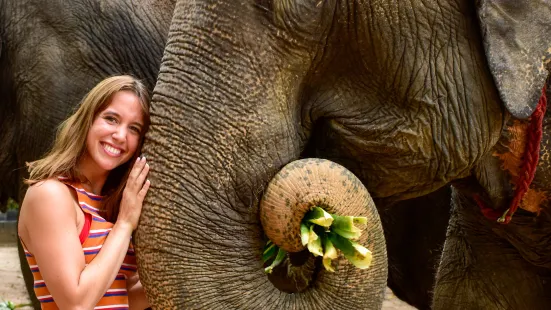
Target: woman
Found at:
x=84, y=201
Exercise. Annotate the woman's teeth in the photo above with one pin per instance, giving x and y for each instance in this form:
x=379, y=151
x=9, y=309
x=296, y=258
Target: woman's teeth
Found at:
x=111, y=149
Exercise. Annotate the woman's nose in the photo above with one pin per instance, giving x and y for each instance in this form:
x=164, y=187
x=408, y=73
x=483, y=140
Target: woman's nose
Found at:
x=119, y=133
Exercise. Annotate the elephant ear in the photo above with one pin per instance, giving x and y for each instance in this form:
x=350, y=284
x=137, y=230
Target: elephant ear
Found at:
x=517, y=40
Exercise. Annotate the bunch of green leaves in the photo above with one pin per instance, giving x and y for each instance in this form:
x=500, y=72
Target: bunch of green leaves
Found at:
x=8, y=305
x=325, y=234
x=12, y=205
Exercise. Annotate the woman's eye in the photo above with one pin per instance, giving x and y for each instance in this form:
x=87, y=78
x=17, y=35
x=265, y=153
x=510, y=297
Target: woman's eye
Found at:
x=110, y=119
x=135, y=129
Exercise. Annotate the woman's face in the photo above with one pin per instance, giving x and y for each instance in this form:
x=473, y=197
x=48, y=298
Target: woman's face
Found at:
x=115, y=133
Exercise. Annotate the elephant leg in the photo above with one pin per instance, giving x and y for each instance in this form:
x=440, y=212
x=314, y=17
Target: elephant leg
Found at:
x=480, y=270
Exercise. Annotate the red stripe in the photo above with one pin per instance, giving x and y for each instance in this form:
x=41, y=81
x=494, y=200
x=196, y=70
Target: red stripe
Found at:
x=86, y=228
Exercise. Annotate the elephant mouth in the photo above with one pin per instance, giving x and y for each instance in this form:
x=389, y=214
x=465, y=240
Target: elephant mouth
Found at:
x=296, y=273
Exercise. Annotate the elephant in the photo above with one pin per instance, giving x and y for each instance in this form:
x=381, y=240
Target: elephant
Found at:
x=52, y=53
x=409, y=97
x=479, y=250
x=492, y=254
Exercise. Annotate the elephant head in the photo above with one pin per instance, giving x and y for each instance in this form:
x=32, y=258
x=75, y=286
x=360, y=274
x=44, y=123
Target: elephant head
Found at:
x=401, y=95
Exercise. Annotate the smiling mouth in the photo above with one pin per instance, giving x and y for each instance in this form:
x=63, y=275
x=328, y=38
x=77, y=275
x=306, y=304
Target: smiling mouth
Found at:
x=111, y=150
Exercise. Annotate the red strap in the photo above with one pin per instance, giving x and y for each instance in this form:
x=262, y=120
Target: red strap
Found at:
x=86, y=228
x=529, y=165
x=531, y=157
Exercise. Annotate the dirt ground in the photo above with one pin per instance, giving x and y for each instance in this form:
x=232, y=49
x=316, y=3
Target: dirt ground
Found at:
x=13, y=286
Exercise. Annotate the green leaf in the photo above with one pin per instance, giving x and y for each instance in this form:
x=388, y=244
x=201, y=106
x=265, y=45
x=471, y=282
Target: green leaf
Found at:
x=314, y=243
x=361, y=220
x=329, y=254
x=269, y=251
x=357, y=254
x=354, y=235
x=344, y=226
x=327, y=264
x=279, y=258
x=330, y=250
x=362, y=258
x=304, y=234
x=318, y=216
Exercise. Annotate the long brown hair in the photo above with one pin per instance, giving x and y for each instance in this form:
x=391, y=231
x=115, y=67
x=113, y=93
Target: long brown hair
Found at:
x=70, y=142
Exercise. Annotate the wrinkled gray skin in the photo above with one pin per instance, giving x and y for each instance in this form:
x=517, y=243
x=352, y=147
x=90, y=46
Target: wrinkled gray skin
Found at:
x=485, y=263
x=507, y=266
x=400, y=94
x=53, y=52
x=41, y=47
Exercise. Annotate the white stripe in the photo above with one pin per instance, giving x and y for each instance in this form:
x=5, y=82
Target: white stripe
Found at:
x=44, y=297
x=129, y=265
x=116, y=290
x=33, y=266
x=110, y=306
x=89, y=206
x=93, y=247
x=89, y=194
x=94, y=231
x=95, y=215
x=38, y=281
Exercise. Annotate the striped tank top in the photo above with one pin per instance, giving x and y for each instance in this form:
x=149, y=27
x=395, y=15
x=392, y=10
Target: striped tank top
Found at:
x=93, y=235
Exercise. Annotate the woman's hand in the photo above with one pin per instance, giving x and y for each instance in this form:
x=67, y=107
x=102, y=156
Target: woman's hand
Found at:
x=134, y=193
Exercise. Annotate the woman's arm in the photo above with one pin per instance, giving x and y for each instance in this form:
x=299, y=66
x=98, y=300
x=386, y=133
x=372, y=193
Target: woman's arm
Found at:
x=48, y=229
x=136, y=294
x=48, y=219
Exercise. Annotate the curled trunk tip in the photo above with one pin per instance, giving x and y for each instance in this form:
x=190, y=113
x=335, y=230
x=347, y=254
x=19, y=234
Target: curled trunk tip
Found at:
x=305, y=183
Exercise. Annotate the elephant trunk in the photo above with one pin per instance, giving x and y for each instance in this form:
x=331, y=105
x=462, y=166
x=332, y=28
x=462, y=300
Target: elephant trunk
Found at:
x=222, y=109
x=297, y=188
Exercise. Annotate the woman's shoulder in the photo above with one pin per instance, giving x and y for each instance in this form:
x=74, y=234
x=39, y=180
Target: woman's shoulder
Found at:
x=48, y=191
x=47, y=203
x=48, y=187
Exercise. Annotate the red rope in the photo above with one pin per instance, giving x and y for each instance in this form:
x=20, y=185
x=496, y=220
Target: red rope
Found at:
x=531, y=158
x=488, y=212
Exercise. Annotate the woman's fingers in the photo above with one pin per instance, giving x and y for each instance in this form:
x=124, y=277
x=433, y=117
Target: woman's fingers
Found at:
x=143, y=191
x=136, y=169
x=140, y=179
x=135, y=173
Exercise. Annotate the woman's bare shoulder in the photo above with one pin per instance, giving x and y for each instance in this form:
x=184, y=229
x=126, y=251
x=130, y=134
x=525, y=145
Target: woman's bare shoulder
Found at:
x=48, y=203
x=46, y=188
x=45, y=194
